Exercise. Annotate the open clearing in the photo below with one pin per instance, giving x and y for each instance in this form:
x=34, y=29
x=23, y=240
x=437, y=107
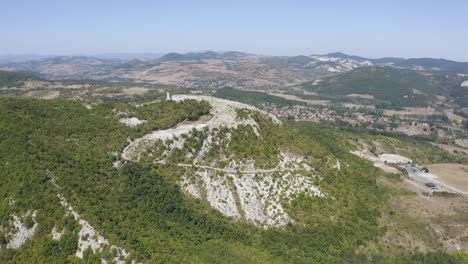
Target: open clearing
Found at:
x=418, y=220
x=462, y=143
x=43, y=94
x=452, y=174
x=296, y=98
x=452, y=116
x=411, y=130
x=363, y=96
x=383, y=160
x=452, y=149
x=135, y=91
x=357, y=106
x=412, y=111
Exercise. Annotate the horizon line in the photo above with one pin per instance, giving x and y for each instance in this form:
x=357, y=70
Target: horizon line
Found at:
x=160, y=54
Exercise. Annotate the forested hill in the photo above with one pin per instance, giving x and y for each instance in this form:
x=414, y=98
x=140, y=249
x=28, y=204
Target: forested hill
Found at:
x=252, y=97
x=69, y=196
x=10, y=79
x=389, y=87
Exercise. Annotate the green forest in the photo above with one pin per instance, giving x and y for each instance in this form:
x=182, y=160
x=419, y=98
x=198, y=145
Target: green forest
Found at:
x=252, y=97
x=390, y=87
x=10, y=79
x=140, y=207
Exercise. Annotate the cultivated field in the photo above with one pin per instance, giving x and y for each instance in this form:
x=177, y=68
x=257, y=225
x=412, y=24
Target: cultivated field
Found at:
x=452, y=116
x=412, y=111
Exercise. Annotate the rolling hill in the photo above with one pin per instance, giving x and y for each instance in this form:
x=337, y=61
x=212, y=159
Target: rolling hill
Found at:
x=388, y=86
x=196, y=179
x=11, y=79
x=218, y=69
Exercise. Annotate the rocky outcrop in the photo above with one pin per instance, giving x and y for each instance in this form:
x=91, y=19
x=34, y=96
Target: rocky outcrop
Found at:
x=21, y=233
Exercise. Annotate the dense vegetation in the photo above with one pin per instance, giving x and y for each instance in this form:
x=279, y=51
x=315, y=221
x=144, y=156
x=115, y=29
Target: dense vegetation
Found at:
x=11, y=79
x=141, y=208
x=252, y=97
x=445, y=65
x=389, y=86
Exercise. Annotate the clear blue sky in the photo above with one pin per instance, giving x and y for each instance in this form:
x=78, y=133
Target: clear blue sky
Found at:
x=373, y=28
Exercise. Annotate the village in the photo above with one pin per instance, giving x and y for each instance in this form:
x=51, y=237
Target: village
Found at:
x=435, y=126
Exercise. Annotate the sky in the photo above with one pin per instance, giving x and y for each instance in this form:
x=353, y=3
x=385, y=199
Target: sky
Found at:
x=371, y=28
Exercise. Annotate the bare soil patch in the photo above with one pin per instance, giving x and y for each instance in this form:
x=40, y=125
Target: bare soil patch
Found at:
x=135, y=91
x=452, y=149
x=412, y=111
x=462, y=143
x=411, y=130
x=416, y=91
x=296, y=98
x=363, y=96
x=357, y=106
x=452, y=116
x=418, y=221
x=452, y=174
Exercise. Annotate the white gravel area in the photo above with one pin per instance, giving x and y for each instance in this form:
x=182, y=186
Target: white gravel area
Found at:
x=20, y=233
x=131, y=121
x=88, y=236
x=380, y=162
x=394, y=158
x=57, y=235
x=223, y=115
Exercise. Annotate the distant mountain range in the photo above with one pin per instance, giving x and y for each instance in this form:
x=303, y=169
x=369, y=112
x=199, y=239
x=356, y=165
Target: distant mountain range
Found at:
x=212, y=69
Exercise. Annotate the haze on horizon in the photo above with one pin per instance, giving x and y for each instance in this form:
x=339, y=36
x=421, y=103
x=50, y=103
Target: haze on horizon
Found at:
x=364, y=28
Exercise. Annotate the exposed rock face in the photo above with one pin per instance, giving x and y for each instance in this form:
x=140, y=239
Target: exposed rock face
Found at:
x=21, y=233
x=131, y=121
x=132, y=151
x=55, y=234
x=88, y=236
x=217, y=189
x=240, y=189
x=224, y=111
x=337, y=165
x=223, y=115
x=254, y=195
